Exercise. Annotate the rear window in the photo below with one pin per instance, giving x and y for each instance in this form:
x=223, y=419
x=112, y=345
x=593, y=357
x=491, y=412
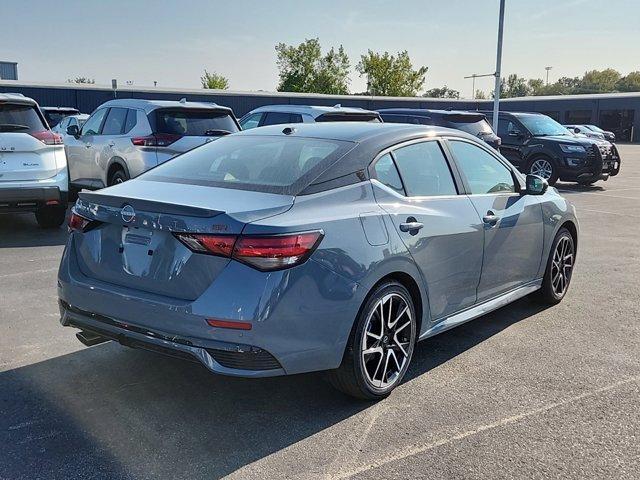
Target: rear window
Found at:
x=54, y=117
x=271, y=164
x=20, y=118
x=194, y=123
x=348, y=117
x=474, y=128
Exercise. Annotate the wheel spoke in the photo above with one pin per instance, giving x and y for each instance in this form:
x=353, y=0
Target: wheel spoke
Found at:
x=373, y=335
x=372, y=350
x=399, y=345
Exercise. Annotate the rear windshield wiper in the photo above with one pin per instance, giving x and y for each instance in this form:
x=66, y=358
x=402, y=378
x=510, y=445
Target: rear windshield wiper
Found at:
x=10, y=127
x=217, y=133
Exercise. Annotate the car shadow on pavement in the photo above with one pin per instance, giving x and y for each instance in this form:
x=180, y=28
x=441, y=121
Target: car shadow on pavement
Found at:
x=577, y=188
x=21, y=230
x=112, y=412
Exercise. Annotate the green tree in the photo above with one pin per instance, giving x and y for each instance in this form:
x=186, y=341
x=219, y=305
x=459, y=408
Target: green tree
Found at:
x=629, y=83
x=599, y=81
x=444, y=92
x=480, y=95
x=303, y=68
x=535, y=85
x=214, y=81
x=514, y=86
x=391, y=75
x=81, y=80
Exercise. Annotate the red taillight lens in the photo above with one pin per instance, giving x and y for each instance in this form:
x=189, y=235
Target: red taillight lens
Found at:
x=229, y=324
x=48, y=137
x=157, y=140
x=77, y=222
x=262, y=252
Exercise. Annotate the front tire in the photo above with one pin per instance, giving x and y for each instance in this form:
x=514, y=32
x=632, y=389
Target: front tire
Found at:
x=557, y=275
x=545, y=168
x=381, y=345
x=51, y=217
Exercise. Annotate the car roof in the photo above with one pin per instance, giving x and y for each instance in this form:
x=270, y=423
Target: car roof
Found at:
x=151, y=105
x=17, y=98
x=59, y=109
x=425, y=112
x=314, y=110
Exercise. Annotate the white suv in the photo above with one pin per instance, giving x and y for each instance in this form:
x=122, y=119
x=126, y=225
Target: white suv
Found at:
x=33, y=164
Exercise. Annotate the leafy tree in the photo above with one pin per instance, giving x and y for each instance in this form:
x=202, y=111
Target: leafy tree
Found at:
x=81, y=80
x=303, y=68
x=444, y=92
x=514, y=86
x=599, y=81
x=535, y=85
x=629, y=83
x=480, y=95
x=213, y=80
x=391, y=75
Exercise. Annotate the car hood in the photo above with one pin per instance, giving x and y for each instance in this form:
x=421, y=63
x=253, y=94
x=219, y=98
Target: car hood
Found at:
x=570, y=139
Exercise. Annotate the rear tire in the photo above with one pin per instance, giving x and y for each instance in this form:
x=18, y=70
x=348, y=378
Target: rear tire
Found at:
x=557, y=276
x=380, y=346
x=118, y=176
x=543, y=167
x=51, y=217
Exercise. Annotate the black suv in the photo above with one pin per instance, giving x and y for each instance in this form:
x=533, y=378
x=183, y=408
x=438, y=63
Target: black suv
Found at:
x=537, y=144
x=474, y=123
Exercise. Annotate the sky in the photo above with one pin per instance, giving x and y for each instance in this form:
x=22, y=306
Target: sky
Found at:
x=173, y=42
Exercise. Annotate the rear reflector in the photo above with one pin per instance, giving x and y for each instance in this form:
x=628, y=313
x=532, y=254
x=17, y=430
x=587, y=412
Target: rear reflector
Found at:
x=229, y=324
x=48, y=137
x=273, y=252
x=157, y=140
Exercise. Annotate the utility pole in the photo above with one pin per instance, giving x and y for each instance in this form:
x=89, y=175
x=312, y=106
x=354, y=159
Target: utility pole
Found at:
x=473, y=83
x=496, y=93
x=547, y=69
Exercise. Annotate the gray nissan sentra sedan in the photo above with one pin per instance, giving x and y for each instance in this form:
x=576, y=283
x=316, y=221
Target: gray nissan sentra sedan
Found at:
x=297, y=248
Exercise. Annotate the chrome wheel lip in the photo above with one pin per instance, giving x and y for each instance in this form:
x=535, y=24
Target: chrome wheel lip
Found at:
x=387, y=341
x=542, y=168
x=562, y=266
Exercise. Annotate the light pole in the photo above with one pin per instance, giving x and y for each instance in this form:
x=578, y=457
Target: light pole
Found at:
x=474, y=76
x=496, y=93
x=547, y=69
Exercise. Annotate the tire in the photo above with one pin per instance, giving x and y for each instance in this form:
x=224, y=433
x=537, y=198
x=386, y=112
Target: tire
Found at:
x=118, y=176
x=360, y=374
x=549, y=293
x=51, y=217
x=543, y=167
x=587, y=183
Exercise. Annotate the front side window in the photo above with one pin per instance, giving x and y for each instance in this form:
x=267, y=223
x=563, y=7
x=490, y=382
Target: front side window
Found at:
x=424, y=170
x=387, y=173
x=92, y=127
x=484, y=172
x=252, y=121
x=114, y=123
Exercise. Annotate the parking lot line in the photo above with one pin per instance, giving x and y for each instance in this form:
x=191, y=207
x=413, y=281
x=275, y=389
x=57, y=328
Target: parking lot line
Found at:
x=582, y=209
x=418, y=449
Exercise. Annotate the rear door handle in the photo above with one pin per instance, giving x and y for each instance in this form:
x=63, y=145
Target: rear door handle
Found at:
x=490, y=218
x=411, y=226
x=112, y=144
x=87, y=145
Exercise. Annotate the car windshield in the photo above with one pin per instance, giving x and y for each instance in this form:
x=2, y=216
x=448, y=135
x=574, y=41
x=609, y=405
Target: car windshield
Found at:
x=543, y=126
x=194, y=122
x=20, y=118
x=272, y=164
x=478, y=128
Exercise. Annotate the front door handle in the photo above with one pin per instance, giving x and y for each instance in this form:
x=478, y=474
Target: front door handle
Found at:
x=411, y=227
x=490, y=218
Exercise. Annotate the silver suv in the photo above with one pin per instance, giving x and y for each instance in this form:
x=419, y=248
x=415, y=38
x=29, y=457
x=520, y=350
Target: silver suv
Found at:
x=124, y=138
x=280, y=114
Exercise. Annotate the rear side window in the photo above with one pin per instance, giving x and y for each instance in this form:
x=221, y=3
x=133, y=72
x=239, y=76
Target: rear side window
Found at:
x=424, y=170
x=272, y=164
x=194, y=122
x=130, y=122
x=20, y=118
x=277, y=118
x=114, y=124
x=387, y=173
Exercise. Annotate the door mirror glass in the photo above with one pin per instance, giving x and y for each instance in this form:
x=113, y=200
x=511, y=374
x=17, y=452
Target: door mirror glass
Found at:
x=73, y=130
x=536, y=185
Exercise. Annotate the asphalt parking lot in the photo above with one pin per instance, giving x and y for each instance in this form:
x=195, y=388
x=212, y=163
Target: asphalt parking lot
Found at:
x=523, y=392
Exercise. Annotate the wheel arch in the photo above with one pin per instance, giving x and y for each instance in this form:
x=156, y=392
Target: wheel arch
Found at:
x=573, y=230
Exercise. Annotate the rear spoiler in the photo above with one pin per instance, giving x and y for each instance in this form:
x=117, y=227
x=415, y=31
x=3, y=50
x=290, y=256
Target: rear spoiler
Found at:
x=465, y=117
x=147, y=205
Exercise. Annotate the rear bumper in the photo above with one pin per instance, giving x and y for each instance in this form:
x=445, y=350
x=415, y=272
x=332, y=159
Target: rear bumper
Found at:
x=30, y=199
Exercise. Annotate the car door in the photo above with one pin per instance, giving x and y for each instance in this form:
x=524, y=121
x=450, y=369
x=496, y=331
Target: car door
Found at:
x=513, y=136
x=81, y=153
x=107, y=145
x=439, y=226
x=512, y=222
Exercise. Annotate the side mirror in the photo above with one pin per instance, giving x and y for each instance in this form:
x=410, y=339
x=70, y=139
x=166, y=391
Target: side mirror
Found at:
x=73, y=130
x=536, y=185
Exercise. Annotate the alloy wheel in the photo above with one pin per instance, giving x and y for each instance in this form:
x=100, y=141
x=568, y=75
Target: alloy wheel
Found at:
x=542, y=168
x=562, y=266
x=387, y=342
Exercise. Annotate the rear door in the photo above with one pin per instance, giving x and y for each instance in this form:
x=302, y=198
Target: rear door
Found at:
x=82, y=154
x=439, y=226
x=27, y=147
x=512, y=223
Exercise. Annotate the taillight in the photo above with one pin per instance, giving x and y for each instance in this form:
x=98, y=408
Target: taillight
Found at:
x=157, y=140
x=48, y=137
x=78, y=223
x=272, y=252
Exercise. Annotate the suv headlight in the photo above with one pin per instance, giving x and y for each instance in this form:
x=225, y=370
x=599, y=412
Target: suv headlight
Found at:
x=572, y=148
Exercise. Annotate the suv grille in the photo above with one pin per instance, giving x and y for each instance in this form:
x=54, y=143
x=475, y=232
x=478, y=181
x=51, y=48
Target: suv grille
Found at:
x=253, y=359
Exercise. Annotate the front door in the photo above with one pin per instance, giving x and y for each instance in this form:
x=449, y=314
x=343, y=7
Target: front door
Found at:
x=513, y=137
x=513, y=227
x=81, y=152
x=439, y=227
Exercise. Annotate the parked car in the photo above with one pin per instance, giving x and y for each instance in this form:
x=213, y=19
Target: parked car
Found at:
x=278, y=251
x=582, y=130
x=537, y=144
x=281, y=114
x=78, y=120
x=126, y=137
x=33, y=165
x=608, y=136
x=474, y=123
x=54, y=115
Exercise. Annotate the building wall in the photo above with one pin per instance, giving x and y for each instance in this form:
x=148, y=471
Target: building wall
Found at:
x=622, y=109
